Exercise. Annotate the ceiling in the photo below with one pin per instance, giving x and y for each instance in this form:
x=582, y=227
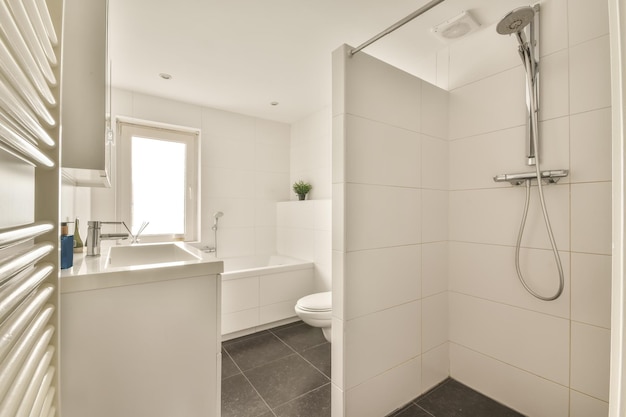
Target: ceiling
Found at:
x=242, y=55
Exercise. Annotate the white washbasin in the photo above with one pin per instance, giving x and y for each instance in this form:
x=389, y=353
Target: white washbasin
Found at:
x=147, y=254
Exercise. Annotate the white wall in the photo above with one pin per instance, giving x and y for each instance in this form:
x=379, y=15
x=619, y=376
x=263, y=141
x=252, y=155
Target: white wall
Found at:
x=310, y=155
x=244, y=171
x=304, y=227
x=76, y=203
x=304, y=230
x=541, y=358
x=389, y=236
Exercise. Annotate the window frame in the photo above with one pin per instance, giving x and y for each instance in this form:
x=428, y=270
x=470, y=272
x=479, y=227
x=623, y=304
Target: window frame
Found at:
x=126, y=129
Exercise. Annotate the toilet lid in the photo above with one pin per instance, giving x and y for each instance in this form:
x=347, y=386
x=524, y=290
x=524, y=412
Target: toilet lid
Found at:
x=321, y=301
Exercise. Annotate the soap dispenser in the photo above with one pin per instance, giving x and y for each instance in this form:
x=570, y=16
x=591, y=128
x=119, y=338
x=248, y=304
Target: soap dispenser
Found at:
x=67, y=247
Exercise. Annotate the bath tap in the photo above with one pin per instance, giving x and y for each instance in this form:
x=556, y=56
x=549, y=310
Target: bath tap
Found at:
x=94, y=236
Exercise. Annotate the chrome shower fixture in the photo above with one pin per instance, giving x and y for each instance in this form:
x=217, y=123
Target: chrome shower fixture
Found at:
x=518, y=22
x=515, y=23
x=216, y=216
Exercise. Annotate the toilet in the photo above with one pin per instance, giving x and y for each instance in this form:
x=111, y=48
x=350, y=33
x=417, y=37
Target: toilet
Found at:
x=316, y=310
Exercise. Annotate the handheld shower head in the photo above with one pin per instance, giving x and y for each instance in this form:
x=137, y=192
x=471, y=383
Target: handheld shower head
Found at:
x=515, y=21
x=216, y=216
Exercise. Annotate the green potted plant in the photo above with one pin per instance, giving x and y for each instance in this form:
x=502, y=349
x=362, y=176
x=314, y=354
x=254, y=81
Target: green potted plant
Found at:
x=302, y=189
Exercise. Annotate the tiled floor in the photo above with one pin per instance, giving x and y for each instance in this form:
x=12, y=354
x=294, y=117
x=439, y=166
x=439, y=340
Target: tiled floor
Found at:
x=453, y=399
x=285, y=372
x=281, y=372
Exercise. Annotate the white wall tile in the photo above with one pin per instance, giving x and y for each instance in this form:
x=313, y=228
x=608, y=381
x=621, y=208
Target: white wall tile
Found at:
x=554, y=85
x=338, y=215
x=469, y=63
x=475, y=160
x=338, y=149
x=512, y=386
x=265, y=240
x=381, y=278
x=377, y=153
x=591, y=289
x=493, y=216
x=435, y=366
x=434, y=268
x=434, y=111
x=488, y=271
x=591, y=146
x=554, y=145
x=587, y=20
x=590, y=75
x=338, y=284
x=582, y=405
x=532, y=341
x=381, y=216
x=553, y=26
x=379, y=91
x=434, y=215
x=366, y=343
x=435, y=165
x=273, y=186
x=381, y=395
x=591, y=217
x=236, y=242
x=271, y=157
x=434, y=321
x=264, y=213
x=337, y=350
x=590, y=360
x=488, y=105
x=226, y=152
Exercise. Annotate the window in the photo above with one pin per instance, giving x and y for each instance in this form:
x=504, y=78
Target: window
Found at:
x=157, y=181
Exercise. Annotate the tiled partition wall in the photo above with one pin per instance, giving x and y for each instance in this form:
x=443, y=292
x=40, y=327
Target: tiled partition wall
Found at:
x=542, y=358
x=390, y=301
x=244, y=170
x=303, y=231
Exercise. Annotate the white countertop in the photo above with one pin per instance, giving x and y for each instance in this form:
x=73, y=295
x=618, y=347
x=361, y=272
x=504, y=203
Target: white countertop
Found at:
x=93, y=272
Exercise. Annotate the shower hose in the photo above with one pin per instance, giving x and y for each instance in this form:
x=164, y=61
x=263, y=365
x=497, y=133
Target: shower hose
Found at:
x=532, y=94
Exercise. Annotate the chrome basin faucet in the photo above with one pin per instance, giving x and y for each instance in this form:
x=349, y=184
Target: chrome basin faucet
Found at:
x=94, y=236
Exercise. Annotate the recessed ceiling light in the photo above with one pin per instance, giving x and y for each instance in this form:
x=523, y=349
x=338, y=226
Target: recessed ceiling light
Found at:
x=165, y=76
x=274, y=103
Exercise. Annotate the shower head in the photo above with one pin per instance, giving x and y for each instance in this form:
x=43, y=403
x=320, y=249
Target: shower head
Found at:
x=515, y=21
x=216, y=216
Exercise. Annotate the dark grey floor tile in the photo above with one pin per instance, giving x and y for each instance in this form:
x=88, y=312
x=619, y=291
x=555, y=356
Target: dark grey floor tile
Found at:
x=312, y=404
x=256, y=351
x=285, y=379
x=411, y=410
x=319, y=356
x=453, y=399
x=244, y=338
x=239, y=399
x=300, y=337
x=228, y=366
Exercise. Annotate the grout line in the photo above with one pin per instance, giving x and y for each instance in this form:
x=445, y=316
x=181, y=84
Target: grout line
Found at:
x=303, y=394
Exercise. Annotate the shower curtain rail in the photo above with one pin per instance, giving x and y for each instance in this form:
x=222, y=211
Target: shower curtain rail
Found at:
x=397, y=25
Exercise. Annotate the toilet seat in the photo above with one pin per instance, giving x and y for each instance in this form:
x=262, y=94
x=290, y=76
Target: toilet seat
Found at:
x=319, y=302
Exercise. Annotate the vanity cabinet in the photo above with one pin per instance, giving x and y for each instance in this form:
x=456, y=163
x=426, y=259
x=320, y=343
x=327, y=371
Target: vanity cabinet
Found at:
x=84, y=93
x=139, y=340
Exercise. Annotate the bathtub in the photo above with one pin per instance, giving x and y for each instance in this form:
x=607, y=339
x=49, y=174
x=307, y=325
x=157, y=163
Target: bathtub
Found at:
x=261, y=292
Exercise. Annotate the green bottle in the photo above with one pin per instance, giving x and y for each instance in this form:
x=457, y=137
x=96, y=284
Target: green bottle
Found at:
x=78, y=242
